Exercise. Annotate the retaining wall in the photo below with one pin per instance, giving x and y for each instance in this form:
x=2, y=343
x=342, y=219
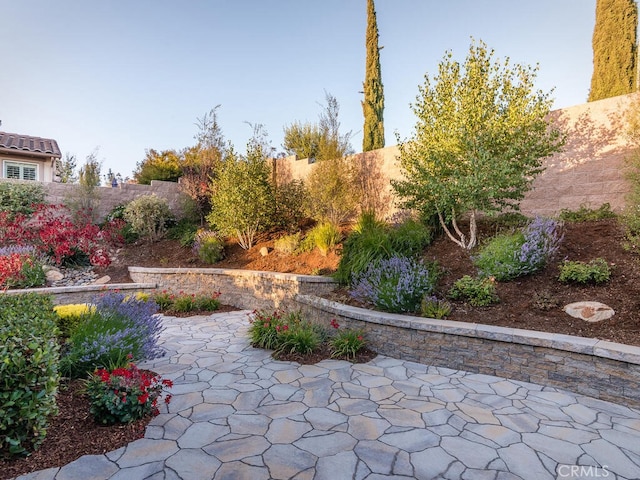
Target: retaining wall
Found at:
x=245, y=289
x=85, y=293
x=600, y=369
x=590, y=170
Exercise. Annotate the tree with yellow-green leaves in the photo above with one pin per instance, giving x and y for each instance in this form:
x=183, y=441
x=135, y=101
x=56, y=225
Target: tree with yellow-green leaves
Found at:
x=482, y=132
x=373, y=103
x=614, y=49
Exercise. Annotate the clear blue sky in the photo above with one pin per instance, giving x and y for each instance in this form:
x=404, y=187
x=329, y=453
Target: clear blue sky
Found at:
x=129, y=75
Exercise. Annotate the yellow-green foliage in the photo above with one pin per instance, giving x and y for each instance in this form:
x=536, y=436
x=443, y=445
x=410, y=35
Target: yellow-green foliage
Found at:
x=287, y=244
x=70, y=316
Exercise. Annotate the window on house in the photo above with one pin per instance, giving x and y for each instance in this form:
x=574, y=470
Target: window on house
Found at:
x=20, y=171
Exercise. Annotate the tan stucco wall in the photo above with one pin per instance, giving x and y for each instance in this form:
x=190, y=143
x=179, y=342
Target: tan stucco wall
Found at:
x=590, y=170
x=45, y=169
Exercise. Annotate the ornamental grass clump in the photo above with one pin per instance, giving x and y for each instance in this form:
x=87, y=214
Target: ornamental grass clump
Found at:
x=124, y=395
x=508, y=256
x=117, y=327
x=396, y=285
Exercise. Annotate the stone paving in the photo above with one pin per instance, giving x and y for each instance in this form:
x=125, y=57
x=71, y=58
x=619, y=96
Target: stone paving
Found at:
x=238, y=414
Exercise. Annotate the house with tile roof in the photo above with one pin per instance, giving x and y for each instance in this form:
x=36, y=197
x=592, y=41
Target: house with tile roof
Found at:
x=23, y=157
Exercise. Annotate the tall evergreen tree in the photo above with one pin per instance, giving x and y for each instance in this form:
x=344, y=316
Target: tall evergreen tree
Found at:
x=373, y=103
x=614, y=49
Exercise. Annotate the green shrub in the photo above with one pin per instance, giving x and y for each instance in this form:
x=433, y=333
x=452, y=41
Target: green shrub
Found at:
x=242, y=204
x=507, y=256
x=432, y=307
x=596, y=271
x=410, y=237
x=498, y=258
x=586, y=214
x=300, y=337
x=28, y=371
x=631, y=222
x=208, y=246
x=325, y=236
x=185, y=231
x=117, y=213
x=148, y=216
x=19, y=197
x=290, y=200
x=368, y=242
x=479, y=292
x=288, y=244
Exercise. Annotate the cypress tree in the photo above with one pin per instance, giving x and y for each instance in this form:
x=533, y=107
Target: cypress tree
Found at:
x=614, y=49
x=373, y=103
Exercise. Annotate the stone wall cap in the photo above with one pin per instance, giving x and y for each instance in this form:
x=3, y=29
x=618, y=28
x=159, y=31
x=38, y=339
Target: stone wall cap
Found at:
x=234, y=272
x=83, y=288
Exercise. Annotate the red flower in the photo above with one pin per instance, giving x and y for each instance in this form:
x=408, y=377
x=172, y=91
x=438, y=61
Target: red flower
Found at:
x=142, y=399
x=334, y=323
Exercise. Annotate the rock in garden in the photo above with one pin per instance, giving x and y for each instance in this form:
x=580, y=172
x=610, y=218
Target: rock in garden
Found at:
x=102, y=280
x=53, y=275
x=264, y=251
x=589, y=311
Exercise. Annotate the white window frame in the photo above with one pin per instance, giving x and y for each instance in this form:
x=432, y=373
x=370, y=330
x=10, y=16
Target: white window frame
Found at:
x=21, y=165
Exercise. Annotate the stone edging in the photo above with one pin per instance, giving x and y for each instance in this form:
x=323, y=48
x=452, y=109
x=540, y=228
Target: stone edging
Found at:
x=597, y=368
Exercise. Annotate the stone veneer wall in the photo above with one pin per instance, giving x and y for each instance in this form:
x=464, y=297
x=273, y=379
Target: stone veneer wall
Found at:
x=597, y=368
x=592, y=367
x=244, y=289
x=85, y=293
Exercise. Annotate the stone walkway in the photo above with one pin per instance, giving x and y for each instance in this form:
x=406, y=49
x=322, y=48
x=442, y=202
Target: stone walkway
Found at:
x=238, y=414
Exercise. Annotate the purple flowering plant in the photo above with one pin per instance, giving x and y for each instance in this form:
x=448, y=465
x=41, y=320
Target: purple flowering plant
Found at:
x=508, y=256
x=396, y=285
x=116, y=327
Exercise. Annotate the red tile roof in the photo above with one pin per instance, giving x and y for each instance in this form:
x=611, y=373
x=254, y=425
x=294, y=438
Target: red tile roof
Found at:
x=11, y=142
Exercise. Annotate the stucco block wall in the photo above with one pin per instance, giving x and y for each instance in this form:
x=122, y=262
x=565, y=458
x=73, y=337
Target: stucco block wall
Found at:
x=109, y=197
x=590, y=170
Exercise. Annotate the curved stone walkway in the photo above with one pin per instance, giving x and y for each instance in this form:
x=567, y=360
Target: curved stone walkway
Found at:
x=238, y=414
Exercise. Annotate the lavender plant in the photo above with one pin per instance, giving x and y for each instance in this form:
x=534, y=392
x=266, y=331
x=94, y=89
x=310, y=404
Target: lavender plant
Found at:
x=117, y=330
x=508, y=256
x=396, y=284
x=208, y=246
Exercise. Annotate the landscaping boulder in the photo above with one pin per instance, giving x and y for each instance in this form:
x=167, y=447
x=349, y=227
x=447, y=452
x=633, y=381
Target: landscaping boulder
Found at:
x=589, y=311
